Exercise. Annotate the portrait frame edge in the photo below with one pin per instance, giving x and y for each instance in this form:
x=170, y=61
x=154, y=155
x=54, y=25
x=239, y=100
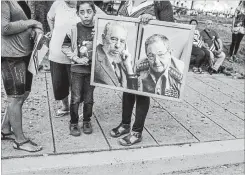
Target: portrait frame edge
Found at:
x=105, y=17
x=150, y=95
x=153, y=22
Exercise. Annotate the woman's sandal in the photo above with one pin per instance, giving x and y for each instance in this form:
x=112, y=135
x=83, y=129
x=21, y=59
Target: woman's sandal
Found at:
x=5, y=136
x=18, y=146
x=120, y=130
x=131, y=139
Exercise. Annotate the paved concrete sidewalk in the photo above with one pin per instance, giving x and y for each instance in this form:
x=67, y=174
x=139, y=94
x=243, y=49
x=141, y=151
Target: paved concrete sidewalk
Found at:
x=212, y=110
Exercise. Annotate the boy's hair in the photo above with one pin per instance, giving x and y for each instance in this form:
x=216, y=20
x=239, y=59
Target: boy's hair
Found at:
x=193, y=21
x=91, y=3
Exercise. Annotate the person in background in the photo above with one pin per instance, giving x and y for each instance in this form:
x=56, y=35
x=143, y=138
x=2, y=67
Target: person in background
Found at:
x=78, y=46
x=200, y=54
x=238, y=30
x=145, y=11
x=61, y=16
x=17, y=47
x=209, y=35
x=164, y=11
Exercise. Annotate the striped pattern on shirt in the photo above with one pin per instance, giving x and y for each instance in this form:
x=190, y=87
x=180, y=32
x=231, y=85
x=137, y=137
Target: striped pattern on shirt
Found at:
x=197, y=40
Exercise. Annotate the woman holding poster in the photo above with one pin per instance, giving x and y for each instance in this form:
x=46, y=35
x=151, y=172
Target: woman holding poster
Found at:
x=145, y=11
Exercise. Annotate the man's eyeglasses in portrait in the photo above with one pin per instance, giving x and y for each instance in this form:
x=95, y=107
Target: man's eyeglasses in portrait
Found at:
x=152, y=57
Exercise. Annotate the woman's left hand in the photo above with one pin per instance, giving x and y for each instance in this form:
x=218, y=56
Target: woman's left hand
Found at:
x=36, y=32
x=145, y=18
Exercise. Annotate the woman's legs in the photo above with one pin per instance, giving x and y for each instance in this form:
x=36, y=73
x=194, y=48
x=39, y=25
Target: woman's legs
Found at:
x=200, y=56
x=17, y=86
x=127, y=107
x=238, y=41
x=127, y=110
x=233, y=43
x=6, y=127
x=142, y=107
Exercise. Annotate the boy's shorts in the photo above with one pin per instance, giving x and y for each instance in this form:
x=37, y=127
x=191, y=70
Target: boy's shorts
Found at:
x=16, y=77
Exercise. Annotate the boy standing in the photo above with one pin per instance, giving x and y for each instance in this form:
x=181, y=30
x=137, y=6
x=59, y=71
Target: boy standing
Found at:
x=78, y=47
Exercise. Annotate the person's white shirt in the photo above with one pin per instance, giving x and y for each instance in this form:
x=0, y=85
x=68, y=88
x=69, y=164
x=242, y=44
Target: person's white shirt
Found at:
x=64, y=18
x=131, y=9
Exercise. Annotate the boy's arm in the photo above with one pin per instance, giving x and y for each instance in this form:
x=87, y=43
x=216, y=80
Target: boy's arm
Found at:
x=68, y=50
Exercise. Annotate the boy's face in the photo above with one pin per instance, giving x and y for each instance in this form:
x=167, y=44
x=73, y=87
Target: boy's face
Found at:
x=86, y=14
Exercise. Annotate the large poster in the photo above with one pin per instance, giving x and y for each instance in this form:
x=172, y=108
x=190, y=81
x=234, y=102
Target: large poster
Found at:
x=146, y=59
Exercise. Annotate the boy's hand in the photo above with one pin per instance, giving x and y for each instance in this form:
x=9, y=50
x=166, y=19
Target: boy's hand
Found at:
x=83, y=61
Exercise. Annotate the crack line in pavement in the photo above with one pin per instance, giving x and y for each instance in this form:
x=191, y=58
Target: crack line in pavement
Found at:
x=228, y=84
x=176, y=120
x=102, y=131
x=50, y=118
x=216, y=103
x=219, y=91
x=144, y=126
x=210, y=119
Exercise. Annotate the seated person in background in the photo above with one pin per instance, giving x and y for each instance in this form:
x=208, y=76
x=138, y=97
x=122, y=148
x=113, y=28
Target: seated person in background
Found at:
x=217, y=54
x=112, y=61
x=160, y=73
x=197, y=51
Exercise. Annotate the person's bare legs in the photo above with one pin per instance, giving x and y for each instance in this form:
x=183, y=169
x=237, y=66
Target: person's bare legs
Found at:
x=6, y=127
x=15, y=118
x=65, y=104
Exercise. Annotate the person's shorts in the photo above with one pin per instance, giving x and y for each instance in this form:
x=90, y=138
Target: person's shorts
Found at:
x=16, y=77
x=60, y=74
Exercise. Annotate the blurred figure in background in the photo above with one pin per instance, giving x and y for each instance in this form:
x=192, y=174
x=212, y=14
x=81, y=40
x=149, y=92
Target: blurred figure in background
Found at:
x=238, y=30
x=197, y=51
x=209, y=37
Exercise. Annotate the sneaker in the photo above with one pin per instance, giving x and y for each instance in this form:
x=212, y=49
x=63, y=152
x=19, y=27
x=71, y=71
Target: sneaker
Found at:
x=120, y=130
x=74, y=130
x=87, y=127
x=130, y=139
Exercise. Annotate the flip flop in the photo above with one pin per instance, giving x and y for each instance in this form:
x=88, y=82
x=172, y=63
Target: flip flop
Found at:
x=5, y=136
x=18, y=146
x=61, y=113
